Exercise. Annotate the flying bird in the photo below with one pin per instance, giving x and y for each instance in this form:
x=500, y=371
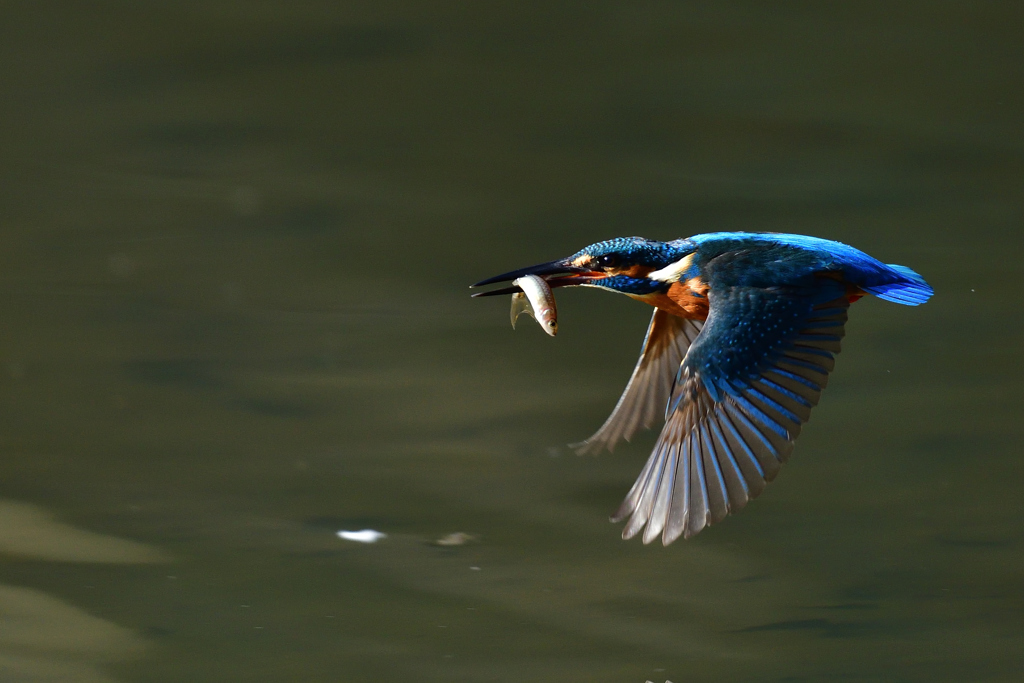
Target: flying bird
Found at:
x=743, y=337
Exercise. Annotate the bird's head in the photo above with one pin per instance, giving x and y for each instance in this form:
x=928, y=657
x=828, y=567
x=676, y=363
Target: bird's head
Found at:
x=629, y=265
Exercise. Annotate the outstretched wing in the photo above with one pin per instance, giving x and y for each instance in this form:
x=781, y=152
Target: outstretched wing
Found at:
x=741, y=394
x=643, y=401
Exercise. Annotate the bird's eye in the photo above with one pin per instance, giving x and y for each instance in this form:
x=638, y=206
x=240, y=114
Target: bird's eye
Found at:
x=609, y=260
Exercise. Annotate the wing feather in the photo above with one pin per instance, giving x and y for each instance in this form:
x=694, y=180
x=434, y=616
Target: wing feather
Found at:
x=697, y=517
x=718, y=495
x=630, y=503
x=659, y=515
x=733, y=420
x=642, y=403
x=736, y=485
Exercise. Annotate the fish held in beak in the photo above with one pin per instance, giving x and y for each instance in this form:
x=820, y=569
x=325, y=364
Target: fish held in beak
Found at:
x=537, y=301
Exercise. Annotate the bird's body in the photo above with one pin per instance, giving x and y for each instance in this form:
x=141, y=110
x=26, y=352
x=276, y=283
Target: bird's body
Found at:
x=737, y=353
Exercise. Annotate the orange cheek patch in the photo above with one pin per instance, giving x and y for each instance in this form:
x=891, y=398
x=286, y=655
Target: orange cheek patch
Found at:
x=636, y=271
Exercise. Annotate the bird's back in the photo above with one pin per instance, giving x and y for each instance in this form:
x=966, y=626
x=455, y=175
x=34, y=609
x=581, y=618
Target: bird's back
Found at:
x=772, y=259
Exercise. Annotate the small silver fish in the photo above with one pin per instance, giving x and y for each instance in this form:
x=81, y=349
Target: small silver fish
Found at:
x=537, y=301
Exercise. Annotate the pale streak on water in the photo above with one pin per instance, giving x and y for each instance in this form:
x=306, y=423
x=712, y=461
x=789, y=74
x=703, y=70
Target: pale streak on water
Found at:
x=236, y=241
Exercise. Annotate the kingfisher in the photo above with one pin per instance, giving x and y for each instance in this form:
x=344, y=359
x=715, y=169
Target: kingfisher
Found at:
x=744, y=335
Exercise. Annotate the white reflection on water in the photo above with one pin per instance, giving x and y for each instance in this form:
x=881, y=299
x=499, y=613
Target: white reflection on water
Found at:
x=363, y=536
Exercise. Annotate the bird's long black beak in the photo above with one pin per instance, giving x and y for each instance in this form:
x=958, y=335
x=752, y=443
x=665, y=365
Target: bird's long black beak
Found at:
x=557, y=274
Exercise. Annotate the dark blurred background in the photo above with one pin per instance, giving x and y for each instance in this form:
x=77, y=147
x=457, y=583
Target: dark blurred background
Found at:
x=236, y=240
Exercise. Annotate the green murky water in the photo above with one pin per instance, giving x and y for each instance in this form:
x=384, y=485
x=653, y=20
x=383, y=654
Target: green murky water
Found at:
x=236, y=240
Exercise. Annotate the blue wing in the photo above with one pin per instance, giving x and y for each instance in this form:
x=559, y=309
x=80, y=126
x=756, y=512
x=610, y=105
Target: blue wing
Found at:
x=643, y=401
x=887, y=281
x=745, y=387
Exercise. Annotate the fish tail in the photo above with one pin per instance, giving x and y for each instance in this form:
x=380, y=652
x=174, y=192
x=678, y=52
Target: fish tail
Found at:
x=520, y=305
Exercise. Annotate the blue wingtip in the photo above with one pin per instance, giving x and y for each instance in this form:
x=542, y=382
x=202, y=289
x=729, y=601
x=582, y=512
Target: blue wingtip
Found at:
x=910, y=290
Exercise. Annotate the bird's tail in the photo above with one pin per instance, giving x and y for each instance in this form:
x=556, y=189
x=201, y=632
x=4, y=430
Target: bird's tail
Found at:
x=907, y=288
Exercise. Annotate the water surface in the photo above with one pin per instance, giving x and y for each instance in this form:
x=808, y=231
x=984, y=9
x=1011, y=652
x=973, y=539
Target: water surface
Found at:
x=236, y=244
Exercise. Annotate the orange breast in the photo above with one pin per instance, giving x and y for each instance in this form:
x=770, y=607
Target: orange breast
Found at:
x=681, y=300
